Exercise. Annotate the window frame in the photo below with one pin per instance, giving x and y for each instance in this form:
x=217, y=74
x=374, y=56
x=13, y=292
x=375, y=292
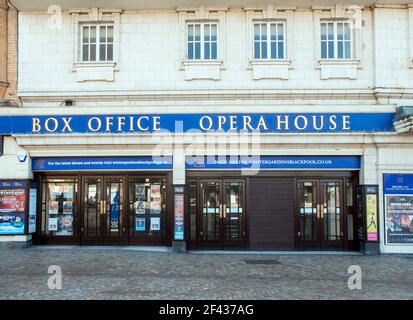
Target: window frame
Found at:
x=202, y=41
x=336, y=41
x=269, y=41
x=97, y=43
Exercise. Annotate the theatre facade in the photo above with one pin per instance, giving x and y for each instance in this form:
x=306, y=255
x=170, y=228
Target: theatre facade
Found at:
x=147, y=145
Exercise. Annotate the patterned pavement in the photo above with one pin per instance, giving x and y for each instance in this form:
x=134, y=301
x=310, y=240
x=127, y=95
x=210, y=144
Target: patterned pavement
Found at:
x=112, y=273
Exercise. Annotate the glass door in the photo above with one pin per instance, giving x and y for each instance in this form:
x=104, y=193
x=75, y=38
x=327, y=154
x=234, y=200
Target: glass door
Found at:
x=331, y=217
x=93, y=210
x=211, y=210
x=221, y=213
x=114, y=223
x=308, y=214
x=103, y=210
x=320, y=214
x=233, y=222
x=148, y=210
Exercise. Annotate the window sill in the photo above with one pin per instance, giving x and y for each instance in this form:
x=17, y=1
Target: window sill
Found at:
x=202, y=69
x=339, y=69
x=270, y=69
x=95, y=71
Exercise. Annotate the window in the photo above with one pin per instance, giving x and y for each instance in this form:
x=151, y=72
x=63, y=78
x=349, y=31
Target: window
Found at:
x=336, y=42
x=202, y=41
x=59, y=206
x=269, y=41
x=147, y=198
x=97, y=43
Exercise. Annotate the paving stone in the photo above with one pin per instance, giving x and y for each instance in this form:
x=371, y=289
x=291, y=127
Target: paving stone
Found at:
x=92, y=273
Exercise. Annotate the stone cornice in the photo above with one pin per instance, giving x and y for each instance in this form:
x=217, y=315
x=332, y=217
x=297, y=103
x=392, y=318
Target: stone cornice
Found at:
x=242, y=94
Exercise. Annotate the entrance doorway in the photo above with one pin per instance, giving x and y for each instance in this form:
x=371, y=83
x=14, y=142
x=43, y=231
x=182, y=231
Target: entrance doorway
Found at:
x=217, y=213
x=103, y=210
x=320, y=214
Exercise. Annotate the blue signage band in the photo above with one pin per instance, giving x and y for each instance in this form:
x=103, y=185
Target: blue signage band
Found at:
x=235, y=122
x=101, y=163
x=274, y=162
x=196, y=162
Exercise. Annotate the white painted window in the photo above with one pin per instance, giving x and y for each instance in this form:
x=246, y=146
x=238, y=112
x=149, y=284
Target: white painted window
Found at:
x=202, y=41
x=96, y=42
x=269, y=41
x=336, y=40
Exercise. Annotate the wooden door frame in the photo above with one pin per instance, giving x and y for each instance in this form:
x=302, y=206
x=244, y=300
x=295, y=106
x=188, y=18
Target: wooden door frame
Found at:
x=298, y=245
x=40, y=177
x=197, y=243
x=144, y=240
x=305, y=244
x=236, y=243
x=84, y=239
x=339, y=244
x=122, y=239
x=38, y=236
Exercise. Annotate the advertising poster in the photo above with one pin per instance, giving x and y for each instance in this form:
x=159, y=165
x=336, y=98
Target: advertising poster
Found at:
x=53, y=224
x=12, y=211
x=140, y=224
x=140, y=207
x=155, y=207
x=156, y=192
x=179, y=217
x=67, y=207
x=371, y=217
x=155, y=224
x=32, y=210
x=67, y=223
x=114, y=211
x=53, y=207
x=140, y=198
x=399, y=218
x=398, y=203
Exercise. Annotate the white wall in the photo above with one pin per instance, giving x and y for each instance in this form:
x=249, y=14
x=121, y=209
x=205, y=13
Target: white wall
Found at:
x=11, y=167
x=392, y=49
x=149, y=58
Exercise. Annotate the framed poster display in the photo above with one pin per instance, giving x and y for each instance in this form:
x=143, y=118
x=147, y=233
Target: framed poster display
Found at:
x=398, y=207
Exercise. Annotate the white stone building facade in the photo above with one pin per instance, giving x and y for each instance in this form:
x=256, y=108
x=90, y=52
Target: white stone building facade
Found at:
x=255, y=58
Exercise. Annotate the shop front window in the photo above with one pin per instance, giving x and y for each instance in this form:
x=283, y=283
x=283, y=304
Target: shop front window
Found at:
x=58, y=207
x=148, y=203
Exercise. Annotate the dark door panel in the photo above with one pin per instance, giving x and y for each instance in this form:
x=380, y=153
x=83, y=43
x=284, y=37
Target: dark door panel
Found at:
x=219, y=212
x=271, y=213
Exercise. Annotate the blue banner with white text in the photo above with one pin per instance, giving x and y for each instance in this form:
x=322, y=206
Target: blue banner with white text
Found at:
x=150, y=123
x=273, y=162
x=101, y=163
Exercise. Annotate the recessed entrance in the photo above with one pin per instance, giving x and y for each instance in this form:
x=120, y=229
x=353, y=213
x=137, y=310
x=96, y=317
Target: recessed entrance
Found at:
x=320, y=214
x=103, y=210
x=218, y=213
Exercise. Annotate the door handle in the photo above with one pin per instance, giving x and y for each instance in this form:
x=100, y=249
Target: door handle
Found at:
x=102, y=207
